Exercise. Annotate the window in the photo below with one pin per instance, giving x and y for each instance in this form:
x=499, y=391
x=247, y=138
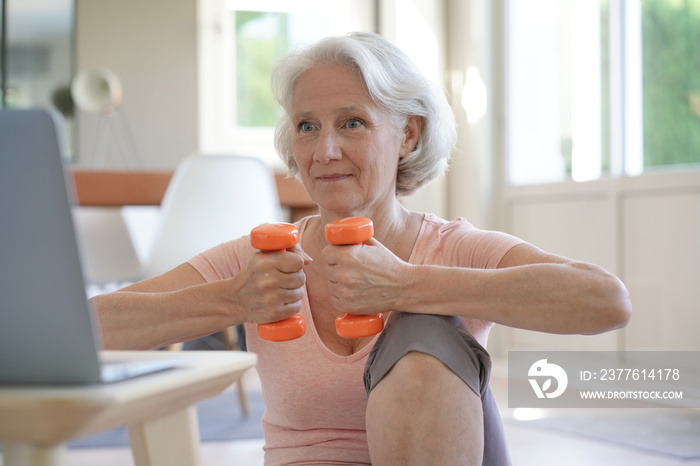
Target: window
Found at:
x=601, y=88
x=240, y=41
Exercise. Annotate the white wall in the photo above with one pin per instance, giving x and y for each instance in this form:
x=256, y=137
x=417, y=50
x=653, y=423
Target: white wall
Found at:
x=151, y=45
x=660, y=221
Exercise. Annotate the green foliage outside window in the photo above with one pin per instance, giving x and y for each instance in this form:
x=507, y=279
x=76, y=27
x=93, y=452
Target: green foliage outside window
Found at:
x=261, y=38
x=671, y=81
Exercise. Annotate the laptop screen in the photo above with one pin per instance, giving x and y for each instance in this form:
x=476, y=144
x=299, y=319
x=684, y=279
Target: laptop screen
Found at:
x=46, y=331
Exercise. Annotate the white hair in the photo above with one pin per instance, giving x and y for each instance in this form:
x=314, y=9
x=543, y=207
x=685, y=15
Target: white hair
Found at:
x=393, y=82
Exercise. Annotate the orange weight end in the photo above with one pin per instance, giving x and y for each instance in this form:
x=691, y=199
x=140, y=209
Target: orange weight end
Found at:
x=274, y=236
x=352, y=230
x=357, y=326
x=284, y=330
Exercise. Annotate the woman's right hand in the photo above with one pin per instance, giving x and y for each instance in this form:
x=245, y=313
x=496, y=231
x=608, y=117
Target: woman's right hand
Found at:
x=271, y=286
x=180, y=305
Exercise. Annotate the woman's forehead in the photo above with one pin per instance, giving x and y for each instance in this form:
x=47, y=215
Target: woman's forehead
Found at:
x=335, y=77
x=330, y=85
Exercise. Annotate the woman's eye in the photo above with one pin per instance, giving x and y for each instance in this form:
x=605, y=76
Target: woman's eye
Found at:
x=354, y=123
x=305, y=126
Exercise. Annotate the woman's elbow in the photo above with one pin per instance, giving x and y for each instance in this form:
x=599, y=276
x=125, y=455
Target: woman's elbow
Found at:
x=617, y=305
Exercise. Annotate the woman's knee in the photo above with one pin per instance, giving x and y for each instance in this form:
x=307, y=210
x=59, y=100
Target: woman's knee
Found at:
x=420, y=375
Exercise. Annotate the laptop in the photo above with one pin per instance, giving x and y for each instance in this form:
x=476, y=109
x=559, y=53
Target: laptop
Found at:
x=47, y=332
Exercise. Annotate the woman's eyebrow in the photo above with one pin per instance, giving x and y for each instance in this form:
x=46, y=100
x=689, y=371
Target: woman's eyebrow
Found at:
x=301, y=116
x=338, y=111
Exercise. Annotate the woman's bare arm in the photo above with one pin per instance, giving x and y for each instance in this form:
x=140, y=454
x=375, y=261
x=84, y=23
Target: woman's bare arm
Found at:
x=537, y=291
x=172, y=307
x=531, y=289
x=180, y=305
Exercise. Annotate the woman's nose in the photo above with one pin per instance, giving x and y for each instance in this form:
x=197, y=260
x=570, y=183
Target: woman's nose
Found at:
x=328, y=147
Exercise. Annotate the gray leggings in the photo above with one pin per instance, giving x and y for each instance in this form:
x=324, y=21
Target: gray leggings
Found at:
x=447, y=339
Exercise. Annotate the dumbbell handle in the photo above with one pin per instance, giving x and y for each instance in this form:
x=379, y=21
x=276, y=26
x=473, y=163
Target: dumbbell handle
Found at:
x=272, y=237
x=354, y=231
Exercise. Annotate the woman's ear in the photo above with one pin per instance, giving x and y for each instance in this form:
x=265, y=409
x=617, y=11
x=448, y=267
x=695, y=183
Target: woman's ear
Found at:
x=411, y=135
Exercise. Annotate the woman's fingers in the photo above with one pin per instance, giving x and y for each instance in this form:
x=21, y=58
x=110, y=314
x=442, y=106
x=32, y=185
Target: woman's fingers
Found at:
x=272, y=286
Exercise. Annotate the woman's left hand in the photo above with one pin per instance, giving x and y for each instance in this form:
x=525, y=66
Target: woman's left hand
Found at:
x=366, y=278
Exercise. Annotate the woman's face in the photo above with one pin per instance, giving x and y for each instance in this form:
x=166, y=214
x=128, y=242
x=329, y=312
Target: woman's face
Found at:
x=346, y=147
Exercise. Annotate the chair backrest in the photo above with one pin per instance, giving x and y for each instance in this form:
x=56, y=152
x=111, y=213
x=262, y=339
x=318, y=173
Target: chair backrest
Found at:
x=211, y=199
x=106, y=247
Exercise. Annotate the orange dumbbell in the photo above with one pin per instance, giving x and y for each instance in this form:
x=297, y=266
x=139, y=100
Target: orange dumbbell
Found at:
x=272, y=237
x=347, y=231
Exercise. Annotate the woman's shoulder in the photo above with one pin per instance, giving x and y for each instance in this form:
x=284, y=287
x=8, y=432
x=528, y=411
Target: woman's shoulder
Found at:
x=458, y=226
x=432, y=224
x=224, y=260
x=461, y=243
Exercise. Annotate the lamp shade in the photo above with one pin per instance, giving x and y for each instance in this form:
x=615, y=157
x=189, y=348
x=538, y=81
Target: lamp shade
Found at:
x=96, y=90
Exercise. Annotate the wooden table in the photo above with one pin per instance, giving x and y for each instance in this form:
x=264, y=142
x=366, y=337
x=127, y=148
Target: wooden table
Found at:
x=37, y=421
x=119, y=188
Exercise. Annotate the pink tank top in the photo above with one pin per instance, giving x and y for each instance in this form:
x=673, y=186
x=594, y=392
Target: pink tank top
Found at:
x=315, y=399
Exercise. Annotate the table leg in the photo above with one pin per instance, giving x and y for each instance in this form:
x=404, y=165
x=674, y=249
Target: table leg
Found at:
x=172, y=439
x=26, y=454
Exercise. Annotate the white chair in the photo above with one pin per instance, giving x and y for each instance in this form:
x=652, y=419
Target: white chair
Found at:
x=211, y=199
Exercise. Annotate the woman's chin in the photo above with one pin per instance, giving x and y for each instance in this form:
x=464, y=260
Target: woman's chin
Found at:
x=336, y=201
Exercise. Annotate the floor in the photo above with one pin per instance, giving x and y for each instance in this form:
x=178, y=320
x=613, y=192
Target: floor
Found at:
x=528, y=446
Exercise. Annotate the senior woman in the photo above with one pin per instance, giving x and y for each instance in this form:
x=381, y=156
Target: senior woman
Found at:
x=362, y=127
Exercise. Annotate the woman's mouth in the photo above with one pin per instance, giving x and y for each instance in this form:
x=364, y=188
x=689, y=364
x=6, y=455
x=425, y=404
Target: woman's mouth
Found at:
x=332, y=177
